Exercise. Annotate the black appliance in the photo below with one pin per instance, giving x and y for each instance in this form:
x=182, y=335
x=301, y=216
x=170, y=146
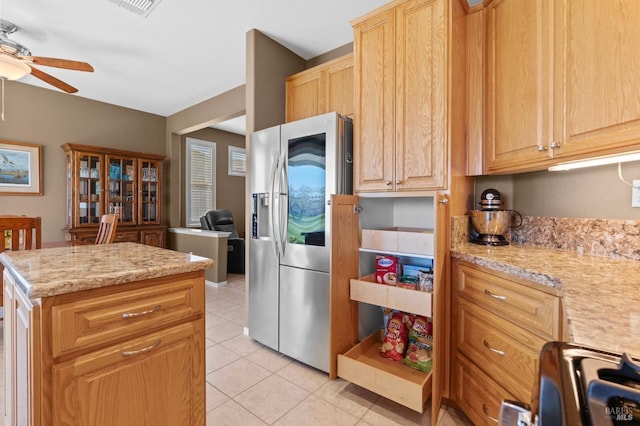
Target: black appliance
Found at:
x=580, y=385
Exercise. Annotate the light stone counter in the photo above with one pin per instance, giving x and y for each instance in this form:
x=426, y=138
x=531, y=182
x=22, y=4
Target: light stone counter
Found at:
x=600, y=295
x=53, y=271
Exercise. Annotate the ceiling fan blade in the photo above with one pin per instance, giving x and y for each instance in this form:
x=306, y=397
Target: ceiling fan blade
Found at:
x=60, y=63
x=52, y=80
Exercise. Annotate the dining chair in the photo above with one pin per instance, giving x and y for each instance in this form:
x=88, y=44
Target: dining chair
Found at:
x=107, y=230
x=26, y=233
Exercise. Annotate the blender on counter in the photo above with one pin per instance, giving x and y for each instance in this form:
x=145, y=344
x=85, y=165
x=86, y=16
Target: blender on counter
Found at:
x=491, y=222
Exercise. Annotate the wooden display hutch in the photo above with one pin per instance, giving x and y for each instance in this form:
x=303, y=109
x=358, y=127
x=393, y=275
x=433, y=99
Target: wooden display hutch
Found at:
x=107, y=181
x=363, y=364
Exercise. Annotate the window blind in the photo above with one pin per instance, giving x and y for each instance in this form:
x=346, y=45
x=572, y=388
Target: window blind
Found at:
x=201, y=182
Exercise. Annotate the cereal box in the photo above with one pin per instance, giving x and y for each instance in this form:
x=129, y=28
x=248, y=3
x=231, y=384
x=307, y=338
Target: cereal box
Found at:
x=387, y=269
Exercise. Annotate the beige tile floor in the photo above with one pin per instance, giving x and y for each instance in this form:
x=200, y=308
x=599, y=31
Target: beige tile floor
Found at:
x=249, y=384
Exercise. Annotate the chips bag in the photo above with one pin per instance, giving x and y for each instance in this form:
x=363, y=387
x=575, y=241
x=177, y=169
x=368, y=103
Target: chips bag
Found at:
x=420, y=345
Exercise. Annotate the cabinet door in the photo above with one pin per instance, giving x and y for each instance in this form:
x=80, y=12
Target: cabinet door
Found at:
x=339, y=87
x=89, y=185
x=21, y=363
x=374, y=76
x=121, y=188
x=153, y=237
x=305, y=95
x=149, y=192
x=518, y=84
x=598, y=57
x=421, y=95
x=156, y=379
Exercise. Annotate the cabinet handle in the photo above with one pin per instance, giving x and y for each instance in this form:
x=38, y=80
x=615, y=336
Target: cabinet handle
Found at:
x=143, y=350
x=444, y=201
x=495, y=296
x=398, y=182
x=387, y=182
x=486, y=413
x=137, y=314
x=542, y=148
x=554, y=145
x=488, y=346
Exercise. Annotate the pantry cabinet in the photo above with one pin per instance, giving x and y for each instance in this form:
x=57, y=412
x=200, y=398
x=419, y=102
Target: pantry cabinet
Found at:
x=324, y=88
x=107, y=181
x=558, y=81
x=502, y=322
x=401, y=72
x=362, y=364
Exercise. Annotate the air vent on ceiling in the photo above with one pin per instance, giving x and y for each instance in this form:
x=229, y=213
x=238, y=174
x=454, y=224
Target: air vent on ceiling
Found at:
x=141, y=7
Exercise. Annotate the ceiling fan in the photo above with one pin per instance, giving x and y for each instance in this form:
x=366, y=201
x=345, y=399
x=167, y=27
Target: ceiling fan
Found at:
x=16, y=61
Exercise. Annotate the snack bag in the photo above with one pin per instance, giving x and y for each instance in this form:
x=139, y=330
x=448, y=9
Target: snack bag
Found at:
x=395, y=340
x=420, y=349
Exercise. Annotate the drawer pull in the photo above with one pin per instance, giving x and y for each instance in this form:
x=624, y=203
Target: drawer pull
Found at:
x=486, y=413
x=495, y=296
x=143, y=350
x=137, y=314
x=488, y=346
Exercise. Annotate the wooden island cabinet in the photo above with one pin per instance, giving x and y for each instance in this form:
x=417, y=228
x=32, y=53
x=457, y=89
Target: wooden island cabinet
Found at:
x=86, y=348
x=106, y=181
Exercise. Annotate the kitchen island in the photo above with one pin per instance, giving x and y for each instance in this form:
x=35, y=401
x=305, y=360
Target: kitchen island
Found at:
x=104, y=334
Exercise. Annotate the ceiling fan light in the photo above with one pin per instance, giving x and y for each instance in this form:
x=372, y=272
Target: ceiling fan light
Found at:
x=12, y=68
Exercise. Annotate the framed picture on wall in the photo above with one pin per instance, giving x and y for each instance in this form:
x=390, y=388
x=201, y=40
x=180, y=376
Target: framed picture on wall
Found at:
x=20, y=168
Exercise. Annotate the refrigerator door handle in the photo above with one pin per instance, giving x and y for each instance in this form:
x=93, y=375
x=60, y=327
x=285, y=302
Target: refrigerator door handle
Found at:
x=272, y=210
x=282, y=207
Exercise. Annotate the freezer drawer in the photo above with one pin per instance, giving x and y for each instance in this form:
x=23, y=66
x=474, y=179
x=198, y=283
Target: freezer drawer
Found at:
x=304, y=316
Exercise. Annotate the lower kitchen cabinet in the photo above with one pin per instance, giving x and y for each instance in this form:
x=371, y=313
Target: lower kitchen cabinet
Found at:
x=124, y=354
x=501, y=324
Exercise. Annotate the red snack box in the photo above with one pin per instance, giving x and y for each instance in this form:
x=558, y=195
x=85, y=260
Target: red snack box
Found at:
x=387, y=269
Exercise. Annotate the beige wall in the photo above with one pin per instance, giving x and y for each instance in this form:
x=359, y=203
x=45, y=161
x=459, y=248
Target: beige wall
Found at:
x=229, y=189
x=595, y=192
x=215, y=110
x=51, y=118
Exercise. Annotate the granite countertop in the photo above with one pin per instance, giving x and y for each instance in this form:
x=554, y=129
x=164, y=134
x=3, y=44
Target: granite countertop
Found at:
x=54, y=271
x=600, y=295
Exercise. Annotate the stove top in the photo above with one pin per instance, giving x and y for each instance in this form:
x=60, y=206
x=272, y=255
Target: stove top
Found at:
x=612, y=390
x=580, y=385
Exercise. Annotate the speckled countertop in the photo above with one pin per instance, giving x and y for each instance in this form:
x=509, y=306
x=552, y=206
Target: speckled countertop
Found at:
x=600, y=295
x=53, y=271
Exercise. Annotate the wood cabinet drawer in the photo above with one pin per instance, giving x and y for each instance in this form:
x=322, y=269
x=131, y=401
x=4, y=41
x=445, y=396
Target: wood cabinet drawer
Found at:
x=126, y=236
x=367, y=290
x=534, y=310
x=477, y=395
x=506, y=352
x=82, y=323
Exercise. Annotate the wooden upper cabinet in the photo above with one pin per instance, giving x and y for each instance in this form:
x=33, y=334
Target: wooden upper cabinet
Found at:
x=560, y=81
x=598, y=59
x=518, y=84
x=400, y=138
x=325, y=88
x=304, y=95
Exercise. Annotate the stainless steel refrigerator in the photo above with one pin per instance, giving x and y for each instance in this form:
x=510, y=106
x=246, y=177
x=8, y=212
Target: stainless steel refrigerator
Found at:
x=294, y=170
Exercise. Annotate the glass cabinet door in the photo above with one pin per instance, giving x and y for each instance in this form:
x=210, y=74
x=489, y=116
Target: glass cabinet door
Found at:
x=121, y=188
x=149, y=212
x=89, y=189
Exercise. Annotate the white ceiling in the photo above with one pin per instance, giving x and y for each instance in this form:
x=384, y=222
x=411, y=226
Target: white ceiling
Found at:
x=184, y=52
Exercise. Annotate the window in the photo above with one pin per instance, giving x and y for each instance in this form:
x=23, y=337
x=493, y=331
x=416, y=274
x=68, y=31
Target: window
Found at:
x=200, y=179
x=237, y=161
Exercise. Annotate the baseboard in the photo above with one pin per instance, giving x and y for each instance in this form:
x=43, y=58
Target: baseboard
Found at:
x=214, y=284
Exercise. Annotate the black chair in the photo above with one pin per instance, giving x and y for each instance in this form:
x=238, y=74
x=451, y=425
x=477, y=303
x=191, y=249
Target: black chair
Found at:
x=222, y=220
